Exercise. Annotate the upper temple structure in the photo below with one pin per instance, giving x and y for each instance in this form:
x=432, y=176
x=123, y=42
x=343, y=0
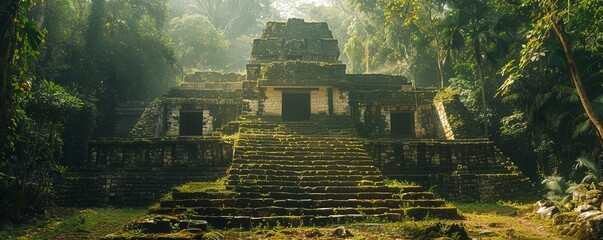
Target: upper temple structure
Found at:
x=297, y=132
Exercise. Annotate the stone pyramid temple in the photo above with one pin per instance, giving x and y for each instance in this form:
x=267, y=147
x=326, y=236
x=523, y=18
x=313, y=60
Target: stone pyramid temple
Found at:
x=295, y=141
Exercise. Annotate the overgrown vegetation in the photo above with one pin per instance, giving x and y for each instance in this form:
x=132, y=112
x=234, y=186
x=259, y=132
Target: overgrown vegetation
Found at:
x=217, y=186
x=399, y=184
x=73, y=223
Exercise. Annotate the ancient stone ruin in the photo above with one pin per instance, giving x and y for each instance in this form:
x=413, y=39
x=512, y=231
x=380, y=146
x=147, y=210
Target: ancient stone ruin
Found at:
x=297, y=141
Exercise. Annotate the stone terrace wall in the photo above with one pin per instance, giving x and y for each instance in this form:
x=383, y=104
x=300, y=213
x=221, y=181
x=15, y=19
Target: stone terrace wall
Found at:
x=125, y=172
x=213, y=77
x=461, y=170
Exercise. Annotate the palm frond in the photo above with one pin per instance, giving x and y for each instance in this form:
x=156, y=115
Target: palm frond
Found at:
x=559, y=118
x=582, y=129
x=593, y=170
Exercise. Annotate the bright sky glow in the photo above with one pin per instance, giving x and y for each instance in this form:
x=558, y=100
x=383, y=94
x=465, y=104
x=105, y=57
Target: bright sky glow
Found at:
x=290, y=8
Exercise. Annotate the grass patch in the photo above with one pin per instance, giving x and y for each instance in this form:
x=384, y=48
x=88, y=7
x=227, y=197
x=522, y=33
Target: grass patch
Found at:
x=74, y=223
x=504, y=220
x=217, y=186
x=398, y=183
x=499, y=208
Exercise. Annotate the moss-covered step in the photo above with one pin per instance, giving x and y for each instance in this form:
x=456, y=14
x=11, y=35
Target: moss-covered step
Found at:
x=303, y=167
x=317, y=189
x=303, y=183
x=252, y=179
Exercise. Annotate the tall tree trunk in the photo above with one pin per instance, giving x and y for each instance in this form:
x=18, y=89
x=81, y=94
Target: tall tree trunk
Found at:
x=575, y=77
x=437, y=45
x=367, y=56
x=482, y=84
x=94, y=34
x=439, y=59
x=8, y=12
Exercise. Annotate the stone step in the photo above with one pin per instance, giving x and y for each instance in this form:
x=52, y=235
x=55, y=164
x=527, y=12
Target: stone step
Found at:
x=297, y=138
x=303, y=183
x=306, y=162
x=242, y=202
x=247, y=222
x=299, y=157
x=201, y=195
x=319, y=196
x=417, y=213
x=335, y=125
x=280, y=144
x=243, y=178
x=317, y=189
x=293, y=147
x=265, y=144
x=411, y=188
x=304, y=173
x=302, y=167
x=284, y=211
x=306, y=128
x=416, y=195
x=383, y=202
x=300, y=152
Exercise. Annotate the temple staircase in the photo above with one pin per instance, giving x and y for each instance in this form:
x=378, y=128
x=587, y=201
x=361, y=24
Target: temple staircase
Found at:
x=303, y=173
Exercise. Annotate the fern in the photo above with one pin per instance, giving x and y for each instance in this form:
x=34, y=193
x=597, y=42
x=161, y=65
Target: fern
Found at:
x=593, y=170
x=559, y=190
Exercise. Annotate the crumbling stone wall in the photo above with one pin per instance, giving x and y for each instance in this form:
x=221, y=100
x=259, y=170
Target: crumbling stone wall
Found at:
x=150, y=123
x=462, y=122
x=213, y=77
x=128, y=187
x=174, y=115
x=130, y=172
x=295, y=40
x=162, y=117
x=372, y=109
x=189, y=152
x=297, y=73
x=272, y=102
x=471, y=170
x=341, y=102
x=319, y=101
x=426, y=122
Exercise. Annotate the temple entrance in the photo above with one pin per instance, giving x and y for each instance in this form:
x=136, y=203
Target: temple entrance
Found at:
x=296, y=106
x=402, y=124
x=191, y=123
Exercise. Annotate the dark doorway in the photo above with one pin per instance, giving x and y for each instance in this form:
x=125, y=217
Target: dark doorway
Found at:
x=403, y=124
x=191, y=123
x=296, y=106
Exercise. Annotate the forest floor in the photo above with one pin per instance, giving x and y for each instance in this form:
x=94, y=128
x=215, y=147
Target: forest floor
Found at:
x=483, y=220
